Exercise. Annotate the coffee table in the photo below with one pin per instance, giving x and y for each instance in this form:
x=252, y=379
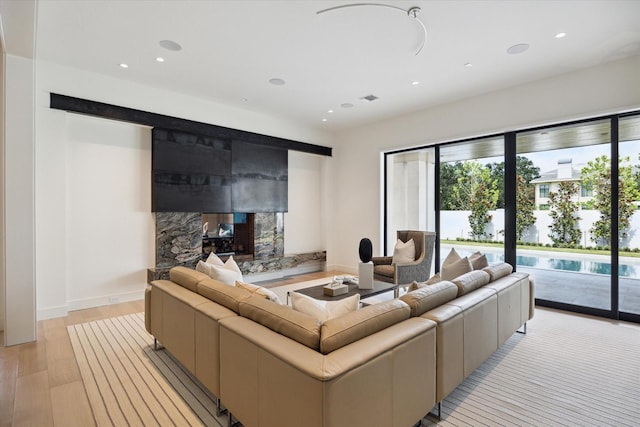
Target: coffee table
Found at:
x=379, y=287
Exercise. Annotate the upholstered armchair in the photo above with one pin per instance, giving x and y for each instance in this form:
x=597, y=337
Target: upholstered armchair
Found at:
x=406, y=272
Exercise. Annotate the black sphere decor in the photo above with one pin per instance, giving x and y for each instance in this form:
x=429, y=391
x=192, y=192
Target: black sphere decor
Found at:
x=365, y=250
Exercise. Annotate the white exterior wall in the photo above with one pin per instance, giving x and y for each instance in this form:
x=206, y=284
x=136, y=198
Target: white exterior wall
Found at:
x=455, y=225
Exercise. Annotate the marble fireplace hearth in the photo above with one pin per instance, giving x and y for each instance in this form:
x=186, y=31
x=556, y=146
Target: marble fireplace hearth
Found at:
x=179, y=242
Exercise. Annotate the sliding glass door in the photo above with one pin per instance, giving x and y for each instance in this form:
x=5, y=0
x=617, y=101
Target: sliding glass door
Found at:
x=471, y=195
x=629, y=215
x=410, y=203
x=563, y=207
x=560, y=202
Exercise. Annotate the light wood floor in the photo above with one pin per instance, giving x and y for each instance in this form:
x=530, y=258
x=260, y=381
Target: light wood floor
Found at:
x=40, y=384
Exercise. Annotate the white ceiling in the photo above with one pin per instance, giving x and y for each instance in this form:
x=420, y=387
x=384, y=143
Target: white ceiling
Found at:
x=232, y=48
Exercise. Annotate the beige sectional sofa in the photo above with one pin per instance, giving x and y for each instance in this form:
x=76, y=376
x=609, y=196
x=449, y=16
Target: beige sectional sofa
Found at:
x=387, y=364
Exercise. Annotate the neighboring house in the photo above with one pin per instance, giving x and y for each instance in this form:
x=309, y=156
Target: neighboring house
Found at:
x=550, y=180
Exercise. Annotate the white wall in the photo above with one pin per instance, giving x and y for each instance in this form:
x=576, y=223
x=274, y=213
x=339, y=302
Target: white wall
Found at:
x=304, y=223
x=94, y=226
x=607, y=88
x=18, y=192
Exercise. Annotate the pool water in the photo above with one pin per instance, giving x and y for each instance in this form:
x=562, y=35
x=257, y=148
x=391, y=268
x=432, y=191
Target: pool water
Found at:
x=555, y=263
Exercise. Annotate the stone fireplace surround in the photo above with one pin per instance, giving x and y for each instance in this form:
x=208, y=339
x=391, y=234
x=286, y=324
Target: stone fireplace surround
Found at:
x=179, y=242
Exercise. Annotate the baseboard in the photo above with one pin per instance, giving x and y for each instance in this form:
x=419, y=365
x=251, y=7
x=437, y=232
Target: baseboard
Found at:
x=52, y=312
x=81, y=304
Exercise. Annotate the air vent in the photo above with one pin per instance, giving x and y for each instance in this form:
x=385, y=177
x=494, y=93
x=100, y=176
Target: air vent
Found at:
x=369, y=98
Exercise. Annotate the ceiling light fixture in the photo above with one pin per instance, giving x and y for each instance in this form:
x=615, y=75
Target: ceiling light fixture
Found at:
x=330, y=111
x=170, y=45
x=517, y=48
x=468, y=64
x=123, y=65
x=324, y=120
x=561, y=35
x=160, y=59
x=347, y=105
x=412, y=12
x=369, y=98
x=277, y=81
x=415, y=83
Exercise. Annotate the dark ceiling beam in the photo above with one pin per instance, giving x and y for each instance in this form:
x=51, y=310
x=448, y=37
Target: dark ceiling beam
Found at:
x=115, y=112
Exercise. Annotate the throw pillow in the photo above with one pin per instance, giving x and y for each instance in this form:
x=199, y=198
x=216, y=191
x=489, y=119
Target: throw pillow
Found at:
x=451, y=257
x=260, y=291
x=324, y=310
x=214, y=259
x=458, y=268
x=478, y=261
x=417, y=285
x=404, y=252
x=227, y=273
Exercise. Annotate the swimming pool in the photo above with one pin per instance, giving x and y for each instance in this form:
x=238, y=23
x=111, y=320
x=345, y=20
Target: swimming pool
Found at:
x=556, y=262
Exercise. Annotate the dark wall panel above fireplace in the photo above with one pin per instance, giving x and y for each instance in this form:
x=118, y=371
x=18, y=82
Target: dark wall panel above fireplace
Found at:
x=260, y=178
x=196, y=173
x=191, y=173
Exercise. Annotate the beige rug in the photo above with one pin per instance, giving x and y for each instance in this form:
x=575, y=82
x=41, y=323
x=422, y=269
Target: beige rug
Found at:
x=568, y=370
x=128, y=383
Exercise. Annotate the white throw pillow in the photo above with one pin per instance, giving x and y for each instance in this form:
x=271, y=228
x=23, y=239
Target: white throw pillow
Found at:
x=260, y=291
x=452, y=257
x=214, y=259
x=404, y=252
x=228, y=273
x=324, y=310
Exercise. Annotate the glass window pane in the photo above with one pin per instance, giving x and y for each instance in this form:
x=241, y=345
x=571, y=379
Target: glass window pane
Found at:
x=410, y=196
x=472, y=198
x=564, y=233
x=629, y=214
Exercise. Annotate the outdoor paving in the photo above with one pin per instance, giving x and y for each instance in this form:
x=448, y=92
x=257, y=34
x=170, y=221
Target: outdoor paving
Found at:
x=589, y=290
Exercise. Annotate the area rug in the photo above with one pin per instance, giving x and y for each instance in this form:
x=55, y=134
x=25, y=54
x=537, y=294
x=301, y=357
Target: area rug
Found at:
x=568, y=370
x=129, y=383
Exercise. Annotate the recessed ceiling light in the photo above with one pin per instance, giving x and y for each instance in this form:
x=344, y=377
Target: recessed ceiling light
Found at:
x=324, y=120
x=123, y=65
x=561, y=35
x=245, y=100
x=468, y=64
x=415, y=83
x=347, y=105
x=170, y=45
x=330, y=111
x=517, y=48
x=160, y=59
x=277, y=81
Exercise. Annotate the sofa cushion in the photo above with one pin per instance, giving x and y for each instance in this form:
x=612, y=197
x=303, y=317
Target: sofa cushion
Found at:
x=225, y=295
x=478, y=261
x=282, y=319
x=187, y=277
x=404, y=251
x=498, y=270
x=430, y=296
x=456, y=268
x=260, y=291
x=470, y=281
x=351, y=327
x=324, y=310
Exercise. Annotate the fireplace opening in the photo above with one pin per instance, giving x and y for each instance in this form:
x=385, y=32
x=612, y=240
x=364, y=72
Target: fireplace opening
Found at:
x=228, y=234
